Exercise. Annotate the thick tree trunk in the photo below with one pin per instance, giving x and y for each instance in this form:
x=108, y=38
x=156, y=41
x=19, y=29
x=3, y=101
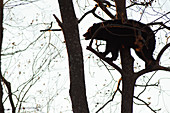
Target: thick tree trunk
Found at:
x=1, y=38
x=75, y=55
x=121, y=9
x=128, y=81
x=128, y=78
x=127, y=94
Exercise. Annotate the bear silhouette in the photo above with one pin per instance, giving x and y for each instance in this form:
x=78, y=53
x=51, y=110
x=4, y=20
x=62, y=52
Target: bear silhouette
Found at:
x=131, y=34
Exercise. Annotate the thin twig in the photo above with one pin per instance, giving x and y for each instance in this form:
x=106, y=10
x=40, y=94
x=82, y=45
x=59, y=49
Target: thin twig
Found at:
x=112, y=96
x=145, y=104
x=142, y=3
x=147, y=84
x=160, y=17
x=103, y=7
x=93, y=12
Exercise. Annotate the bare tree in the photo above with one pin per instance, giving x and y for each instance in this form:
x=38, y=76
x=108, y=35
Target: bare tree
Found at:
x=15, y=96
x=69, y=26
x=129, y=77
x=45, y=53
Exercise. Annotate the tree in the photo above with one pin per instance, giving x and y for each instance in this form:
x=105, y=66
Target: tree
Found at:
x=71, y=34
x=43, y=56
x=17, y=93
x=129, y=77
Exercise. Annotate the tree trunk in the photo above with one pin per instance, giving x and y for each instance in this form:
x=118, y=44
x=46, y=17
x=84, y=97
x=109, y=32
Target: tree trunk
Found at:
x=128, y=81
x=75, y=55
x=127, y=94
x=128, y=78
x=1, y=38
x=121, y=9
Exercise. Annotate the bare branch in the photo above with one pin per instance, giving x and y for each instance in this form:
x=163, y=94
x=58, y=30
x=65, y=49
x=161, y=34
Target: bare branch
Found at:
x=98, y=16
x=102, y=57
x=141, y=3
x=156, y=84
x=93, y=12
x=8, y=85
x=59, y=22
x=146, y=104
x=162, y=51
x=147, y=85
x=153, y=68
x=160, y=23
x=50, y=30
x=18, y=51
x=103, y=7
x=160, y=17
x=112, y=96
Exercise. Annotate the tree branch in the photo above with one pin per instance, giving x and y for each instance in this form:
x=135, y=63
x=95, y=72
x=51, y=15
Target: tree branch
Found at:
x=93, y=12
x=8, y=85
x=58, y=21
x=145, y=86
x=162, y=51
x=112, y=96
x=103, y=7
x=49, y=29
x=160, y=17
x=154, y=68
x=102, y=57
x=141, y=3
x=145, y=104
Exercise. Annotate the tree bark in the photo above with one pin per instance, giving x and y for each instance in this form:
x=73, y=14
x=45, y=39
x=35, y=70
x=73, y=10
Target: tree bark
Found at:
x=121, y=9
x=128, y=83
x=75, y=56
x=128, y=76
x=1, y=38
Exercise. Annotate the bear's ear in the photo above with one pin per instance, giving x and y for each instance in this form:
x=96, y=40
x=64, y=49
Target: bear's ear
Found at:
x=94, y=24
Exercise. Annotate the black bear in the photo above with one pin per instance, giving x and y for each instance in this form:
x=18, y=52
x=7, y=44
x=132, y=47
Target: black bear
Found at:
x=131, y=33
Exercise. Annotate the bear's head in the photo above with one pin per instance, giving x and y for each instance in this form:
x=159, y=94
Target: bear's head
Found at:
x=91, y=31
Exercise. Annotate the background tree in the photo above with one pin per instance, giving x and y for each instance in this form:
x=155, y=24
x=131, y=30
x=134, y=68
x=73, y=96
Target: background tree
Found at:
x=69, y=26
x=28, y=55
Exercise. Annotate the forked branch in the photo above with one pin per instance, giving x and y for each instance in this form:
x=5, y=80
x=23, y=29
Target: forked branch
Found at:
x=103, y=7
x=146, y=104
x=93, y=12
x=49, y=29
x=103, y=58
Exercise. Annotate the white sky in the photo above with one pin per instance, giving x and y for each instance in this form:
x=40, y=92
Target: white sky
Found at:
x=53, y=80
